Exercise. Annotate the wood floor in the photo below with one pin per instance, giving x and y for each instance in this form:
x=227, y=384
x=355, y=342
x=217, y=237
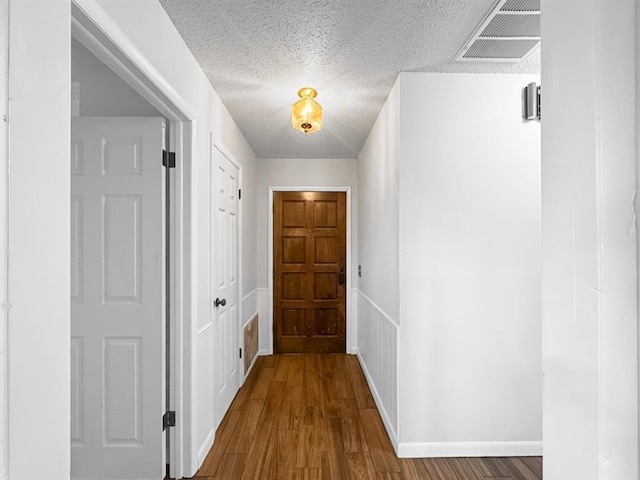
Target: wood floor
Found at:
x=312, y=417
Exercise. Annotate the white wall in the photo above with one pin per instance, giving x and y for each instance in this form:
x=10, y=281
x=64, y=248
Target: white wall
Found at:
x=39, y=334
x=378, y=253
x=4, y=81
x=470, y=340
x=298, y=173
x=589, y=295
x=102, y=92
x=378, y=196
x=39, y=340
x=449, y=301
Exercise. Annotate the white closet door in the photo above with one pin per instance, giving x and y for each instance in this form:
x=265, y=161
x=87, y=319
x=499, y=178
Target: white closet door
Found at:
x=117, y=291
x=225, y=248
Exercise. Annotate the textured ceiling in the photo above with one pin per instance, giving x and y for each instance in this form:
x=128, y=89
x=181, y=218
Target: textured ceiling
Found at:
x=257, y=54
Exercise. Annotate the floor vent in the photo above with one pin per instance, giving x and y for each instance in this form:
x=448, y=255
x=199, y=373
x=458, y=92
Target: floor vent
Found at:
x=509, y=33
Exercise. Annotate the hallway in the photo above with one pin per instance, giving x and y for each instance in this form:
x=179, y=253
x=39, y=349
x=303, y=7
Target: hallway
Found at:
x=313, y=417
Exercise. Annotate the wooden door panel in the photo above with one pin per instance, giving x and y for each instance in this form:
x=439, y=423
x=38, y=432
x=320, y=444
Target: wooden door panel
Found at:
x=325, y=214
x=293, y=322
x=294, y=249
x=294, y=286
x=309, y=277
x=326, y=250
x=325, y=286
x=294, y=213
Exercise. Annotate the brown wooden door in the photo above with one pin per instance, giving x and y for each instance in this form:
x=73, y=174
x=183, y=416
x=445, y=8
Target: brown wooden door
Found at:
x=309, y=230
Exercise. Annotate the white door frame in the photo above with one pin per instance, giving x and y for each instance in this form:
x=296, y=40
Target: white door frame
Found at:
x=96, y=30
x=351, y=326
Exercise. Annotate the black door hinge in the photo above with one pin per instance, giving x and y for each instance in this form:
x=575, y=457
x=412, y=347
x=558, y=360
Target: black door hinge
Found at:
x=240, y=194
x=168, y=159
x=240, y=353
x=169, y=419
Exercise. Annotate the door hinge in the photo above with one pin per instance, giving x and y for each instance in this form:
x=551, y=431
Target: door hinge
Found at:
x=240, y=194
x=168, y=159
x=241, y=353
x=169, y=419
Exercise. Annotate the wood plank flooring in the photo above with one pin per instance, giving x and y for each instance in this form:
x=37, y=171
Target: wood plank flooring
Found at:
x=312, y=417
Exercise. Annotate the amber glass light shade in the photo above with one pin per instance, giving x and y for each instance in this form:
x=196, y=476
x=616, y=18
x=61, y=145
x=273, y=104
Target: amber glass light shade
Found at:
x=306, y=113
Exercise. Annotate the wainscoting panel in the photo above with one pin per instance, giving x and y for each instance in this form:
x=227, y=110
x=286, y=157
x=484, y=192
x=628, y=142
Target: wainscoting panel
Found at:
x=249, y=306
x=378, y=355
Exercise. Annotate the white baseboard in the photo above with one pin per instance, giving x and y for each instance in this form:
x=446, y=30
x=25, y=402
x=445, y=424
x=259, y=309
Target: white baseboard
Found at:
x=205, y=447
x=376, y=397
x=253, y=362
x=468, y=449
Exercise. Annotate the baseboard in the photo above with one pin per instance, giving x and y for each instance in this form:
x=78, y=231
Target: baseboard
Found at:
x=116, y=478
x=376, y=397
x=206, y=446
x=468, y=449
x=261, y=353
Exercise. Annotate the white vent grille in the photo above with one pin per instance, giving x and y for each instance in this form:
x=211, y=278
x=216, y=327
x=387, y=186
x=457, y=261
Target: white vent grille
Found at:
x=509, y=33
x=521, y=6
x=514, y=49
x=513, y=26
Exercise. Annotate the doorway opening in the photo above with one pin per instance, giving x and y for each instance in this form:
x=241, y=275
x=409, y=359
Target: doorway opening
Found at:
x=130, y=259
x=309, y=255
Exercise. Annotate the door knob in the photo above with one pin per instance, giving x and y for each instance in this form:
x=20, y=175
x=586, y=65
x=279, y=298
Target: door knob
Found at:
x=219, y=302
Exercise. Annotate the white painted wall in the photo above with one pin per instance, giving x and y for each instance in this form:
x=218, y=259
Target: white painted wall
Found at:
x=590, y=289
x=378, y=254
x=102, y=92
x=4, y=112
x=378, y=216
x=470, y=360
x=298, y=173
x=449, y=222
x=39, y=293
x=40, y=46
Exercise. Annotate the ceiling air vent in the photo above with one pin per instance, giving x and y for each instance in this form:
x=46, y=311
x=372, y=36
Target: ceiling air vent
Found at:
x=509, y=33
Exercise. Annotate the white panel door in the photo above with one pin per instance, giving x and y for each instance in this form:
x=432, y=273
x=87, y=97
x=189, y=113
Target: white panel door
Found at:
x=117, y=291
x=224, y=254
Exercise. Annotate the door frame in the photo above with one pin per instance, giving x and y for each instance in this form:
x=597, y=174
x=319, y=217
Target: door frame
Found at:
x=350, y=308
x=92, y=27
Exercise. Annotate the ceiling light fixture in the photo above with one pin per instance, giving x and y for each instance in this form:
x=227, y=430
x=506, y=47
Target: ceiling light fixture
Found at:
x=306, y=113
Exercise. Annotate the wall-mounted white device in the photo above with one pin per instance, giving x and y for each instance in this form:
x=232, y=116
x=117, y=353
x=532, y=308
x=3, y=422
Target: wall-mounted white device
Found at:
x=531, y=102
